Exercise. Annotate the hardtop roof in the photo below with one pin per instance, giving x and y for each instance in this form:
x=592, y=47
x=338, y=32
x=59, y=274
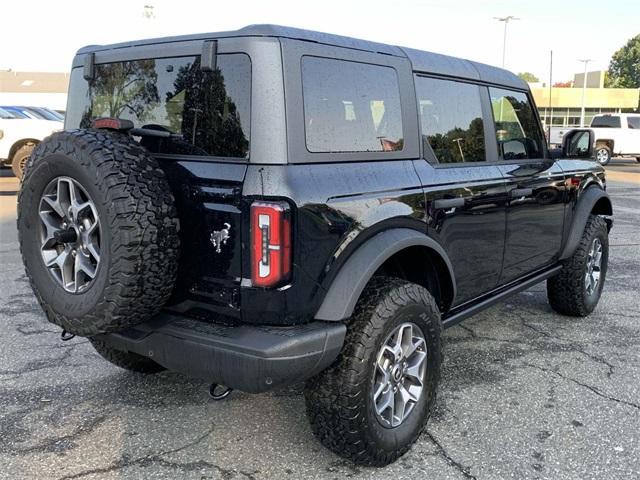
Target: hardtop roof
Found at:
x=421, y=60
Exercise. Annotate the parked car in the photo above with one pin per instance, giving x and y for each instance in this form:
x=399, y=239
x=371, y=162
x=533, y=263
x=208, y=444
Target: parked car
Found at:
x=272, y=205
x=19, y=135
x=34, y=112
x=616, y=134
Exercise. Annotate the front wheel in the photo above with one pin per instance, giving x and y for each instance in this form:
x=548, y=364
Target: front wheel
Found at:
x=603, y=155
x=373, y=403
x=576, y=290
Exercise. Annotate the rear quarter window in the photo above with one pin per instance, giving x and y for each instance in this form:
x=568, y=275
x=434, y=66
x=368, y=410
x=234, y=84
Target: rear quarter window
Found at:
x=208, y=112
x=350, y=106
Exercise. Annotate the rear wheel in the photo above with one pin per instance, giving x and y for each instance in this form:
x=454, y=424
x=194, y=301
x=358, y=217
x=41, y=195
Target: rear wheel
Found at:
x=603, y=155
x=127, y=360
x=374, y=402
x=577, y=288
x=20, y=159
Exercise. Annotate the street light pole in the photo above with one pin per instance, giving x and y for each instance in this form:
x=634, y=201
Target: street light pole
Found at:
x=506, y=21
x=584, y=89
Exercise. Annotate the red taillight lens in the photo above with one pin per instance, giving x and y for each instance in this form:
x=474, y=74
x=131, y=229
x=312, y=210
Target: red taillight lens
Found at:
x=270, y=243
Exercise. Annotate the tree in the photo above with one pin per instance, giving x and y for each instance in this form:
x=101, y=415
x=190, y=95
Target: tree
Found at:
x=624, y=69
x=568, y=84
x=528, y=77
x=206, y=116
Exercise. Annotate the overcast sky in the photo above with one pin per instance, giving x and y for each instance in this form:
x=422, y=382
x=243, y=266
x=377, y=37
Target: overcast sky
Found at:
x=43, y=35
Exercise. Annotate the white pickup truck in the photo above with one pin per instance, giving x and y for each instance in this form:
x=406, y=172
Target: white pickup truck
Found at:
x=19, y=136
x=616, y=134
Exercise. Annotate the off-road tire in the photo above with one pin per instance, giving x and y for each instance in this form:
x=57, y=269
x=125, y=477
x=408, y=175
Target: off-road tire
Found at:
x=127, y=360
x=606, y=149
x=139, y=230
x=338, y=400
x=566, y=290
x=20, y=158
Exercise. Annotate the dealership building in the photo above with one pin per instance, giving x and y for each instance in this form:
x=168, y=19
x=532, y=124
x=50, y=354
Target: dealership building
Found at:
x=563, y=110
x=34, y=89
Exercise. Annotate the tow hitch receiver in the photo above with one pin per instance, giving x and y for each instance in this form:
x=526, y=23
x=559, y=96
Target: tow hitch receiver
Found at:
x=66, y=336
x=219, y=392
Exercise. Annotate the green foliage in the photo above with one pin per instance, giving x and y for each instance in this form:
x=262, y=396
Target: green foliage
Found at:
x=210, y=119
x=624, y=69
x=528, y=77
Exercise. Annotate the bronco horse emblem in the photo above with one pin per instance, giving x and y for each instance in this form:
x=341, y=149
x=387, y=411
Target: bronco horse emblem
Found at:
x=220, y=237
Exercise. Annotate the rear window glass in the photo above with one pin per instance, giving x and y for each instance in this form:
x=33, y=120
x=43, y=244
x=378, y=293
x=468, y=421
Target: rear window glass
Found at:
x=606, y=121
x=207, y=112
x=350, y=107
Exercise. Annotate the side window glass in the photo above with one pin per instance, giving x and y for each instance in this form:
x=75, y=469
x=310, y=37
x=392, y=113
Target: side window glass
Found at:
x=517, y=129
x=451, y=119
x=350, y=107
x=633, y=122
x=605, y=121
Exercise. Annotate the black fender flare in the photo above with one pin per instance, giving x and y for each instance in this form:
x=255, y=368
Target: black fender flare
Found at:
x=586, y=203
x=353, y=276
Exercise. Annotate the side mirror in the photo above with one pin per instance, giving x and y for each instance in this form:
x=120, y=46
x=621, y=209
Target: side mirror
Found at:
x=578, y=144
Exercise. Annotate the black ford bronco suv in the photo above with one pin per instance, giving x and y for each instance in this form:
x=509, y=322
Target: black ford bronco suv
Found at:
x=272, y=205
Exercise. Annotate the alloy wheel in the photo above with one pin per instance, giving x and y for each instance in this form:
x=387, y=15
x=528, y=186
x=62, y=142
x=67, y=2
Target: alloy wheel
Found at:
x=399, y=374
x=70, y=234
x=594, y=267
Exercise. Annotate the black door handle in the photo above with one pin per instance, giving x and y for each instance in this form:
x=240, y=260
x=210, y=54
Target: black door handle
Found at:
x=521, y=192
x=446, y=203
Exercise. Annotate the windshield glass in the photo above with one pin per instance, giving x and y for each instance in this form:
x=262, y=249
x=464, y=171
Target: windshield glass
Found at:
x=4, y=114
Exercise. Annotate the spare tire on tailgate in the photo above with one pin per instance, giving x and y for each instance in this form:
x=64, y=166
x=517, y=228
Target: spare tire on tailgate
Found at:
x=98, y=231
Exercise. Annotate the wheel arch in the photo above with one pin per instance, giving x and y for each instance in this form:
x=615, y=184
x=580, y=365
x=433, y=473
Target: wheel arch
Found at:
x=21, y=143
x=609, y=142
x=593, y=201
x=392, y=252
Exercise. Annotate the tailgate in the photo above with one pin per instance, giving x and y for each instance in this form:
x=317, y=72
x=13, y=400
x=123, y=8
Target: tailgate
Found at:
x=208, y=198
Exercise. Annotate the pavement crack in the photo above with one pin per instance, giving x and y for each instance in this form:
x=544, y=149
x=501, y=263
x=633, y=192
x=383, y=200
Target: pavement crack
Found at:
x=157, y=459
x=597, y=359
x=584, y=385
x=43, y=364
x=455, y=464
x=64, y=442
x=39, y=331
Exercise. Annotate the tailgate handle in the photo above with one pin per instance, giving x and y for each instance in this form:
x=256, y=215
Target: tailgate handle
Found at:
x=521, y=192
x=445, y=203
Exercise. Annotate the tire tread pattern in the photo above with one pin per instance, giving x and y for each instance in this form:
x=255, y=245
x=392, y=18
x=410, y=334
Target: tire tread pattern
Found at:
x=336, y=398
x=566, y=291
x=142, y=222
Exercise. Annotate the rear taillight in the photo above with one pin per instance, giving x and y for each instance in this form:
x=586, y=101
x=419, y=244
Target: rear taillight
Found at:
x=270, y=244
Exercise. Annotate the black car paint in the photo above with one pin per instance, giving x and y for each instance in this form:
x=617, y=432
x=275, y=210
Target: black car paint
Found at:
x=338, y=207
x=493, y=230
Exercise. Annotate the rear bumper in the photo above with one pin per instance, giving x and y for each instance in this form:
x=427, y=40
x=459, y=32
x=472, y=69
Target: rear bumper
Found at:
x=249, y=358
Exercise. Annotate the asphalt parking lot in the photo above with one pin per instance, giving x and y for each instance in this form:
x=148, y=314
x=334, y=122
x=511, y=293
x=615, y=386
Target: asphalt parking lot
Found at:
x=526, y=393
